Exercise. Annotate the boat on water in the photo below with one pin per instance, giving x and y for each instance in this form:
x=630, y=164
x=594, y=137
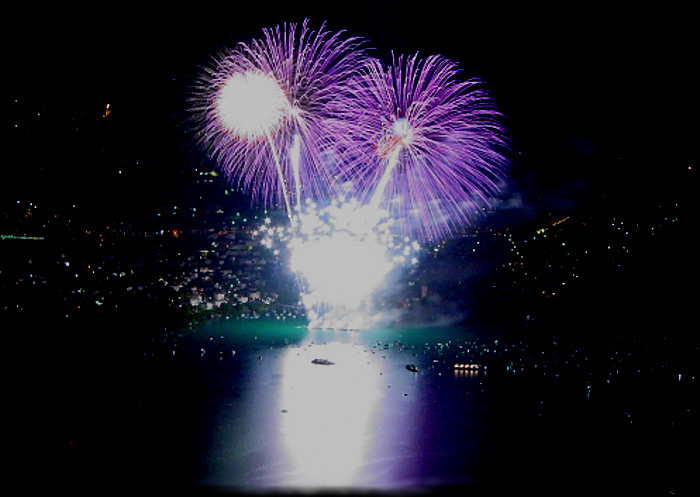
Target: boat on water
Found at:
x=322, y=362
x=412, y=368
x=469, y=367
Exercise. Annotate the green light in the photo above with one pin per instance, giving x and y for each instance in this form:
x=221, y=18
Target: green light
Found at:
x=20, y=237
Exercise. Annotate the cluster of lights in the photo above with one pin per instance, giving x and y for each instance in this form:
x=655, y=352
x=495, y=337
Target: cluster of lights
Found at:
x=468, y=367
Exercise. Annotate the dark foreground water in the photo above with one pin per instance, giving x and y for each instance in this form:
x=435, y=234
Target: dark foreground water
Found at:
x=240, y=407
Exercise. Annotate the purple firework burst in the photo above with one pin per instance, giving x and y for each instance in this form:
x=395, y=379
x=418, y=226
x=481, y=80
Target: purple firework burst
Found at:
x=260, y=109
x=420, y=143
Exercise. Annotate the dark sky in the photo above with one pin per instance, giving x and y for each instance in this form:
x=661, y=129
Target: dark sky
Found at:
x=573, y=55
x=574, y=81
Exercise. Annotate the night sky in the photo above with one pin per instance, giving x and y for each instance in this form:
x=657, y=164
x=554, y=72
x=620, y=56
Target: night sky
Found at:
x=593, y=95
x=601, y=105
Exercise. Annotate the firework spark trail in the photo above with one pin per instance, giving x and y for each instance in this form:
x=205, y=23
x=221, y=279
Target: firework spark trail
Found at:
x=418, y=141
x=280, y=117
x=378, y=194
x=296, y=165
x=280, y=174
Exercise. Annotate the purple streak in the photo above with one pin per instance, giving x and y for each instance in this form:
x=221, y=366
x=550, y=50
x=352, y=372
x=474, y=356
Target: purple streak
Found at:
x=420, y=143
x=310, y=67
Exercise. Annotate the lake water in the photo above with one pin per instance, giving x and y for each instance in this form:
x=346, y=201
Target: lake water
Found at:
x=240, y=406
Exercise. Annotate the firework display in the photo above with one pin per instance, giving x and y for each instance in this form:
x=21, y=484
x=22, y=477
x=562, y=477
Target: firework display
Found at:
x=417, y=152
x=421, y=143
x=262, y=106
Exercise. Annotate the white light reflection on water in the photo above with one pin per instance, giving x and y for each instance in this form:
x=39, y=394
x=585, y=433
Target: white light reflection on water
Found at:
x=328, y=413
x=365, y=422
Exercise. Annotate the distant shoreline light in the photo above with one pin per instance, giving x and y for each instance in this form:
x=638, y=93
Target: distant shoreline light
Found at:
x=20, y=237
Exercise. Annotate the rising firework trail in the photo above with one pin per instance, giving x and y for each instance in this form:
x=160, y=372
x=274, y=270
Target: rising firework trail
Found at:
x=261, y=109
x=421, y=143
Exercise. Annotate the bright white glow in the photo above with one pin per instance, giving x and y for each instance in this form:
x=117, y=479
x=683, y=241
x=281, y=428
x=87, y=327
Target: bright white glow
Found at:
x=251, y=104
x=401, y=127
x=340, y=269
x=327, y=424
x=343, y=254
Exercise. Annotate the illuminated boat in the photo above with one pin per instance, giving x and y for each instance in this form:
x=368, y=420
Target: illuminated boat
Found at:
x=412, y=368
x=468, y=367
x=322, y=362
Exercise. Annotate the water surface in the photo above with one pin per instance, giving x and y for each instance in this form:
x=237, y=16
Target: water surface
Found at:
x=241, y=406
